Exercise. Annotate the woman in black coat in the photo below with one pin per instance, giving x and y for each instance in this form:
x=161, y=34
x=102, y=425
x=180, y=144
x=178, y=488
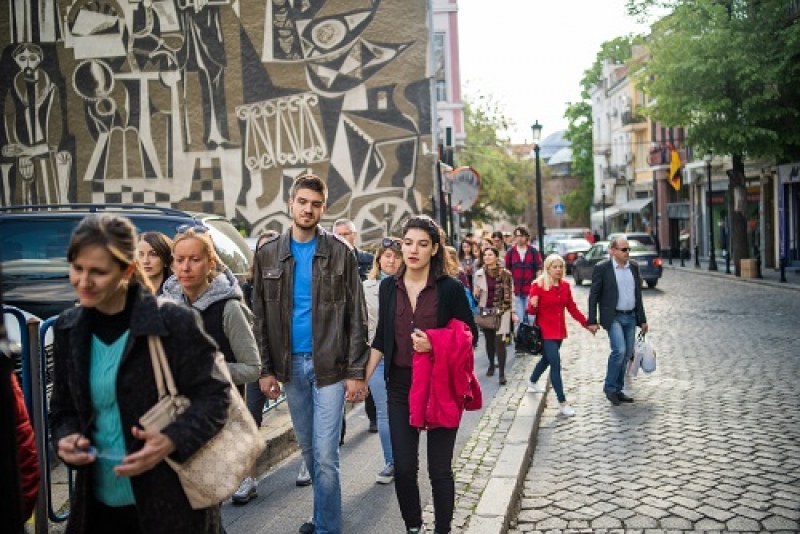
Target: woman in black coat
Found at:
x=420, y=297
x=103, y=383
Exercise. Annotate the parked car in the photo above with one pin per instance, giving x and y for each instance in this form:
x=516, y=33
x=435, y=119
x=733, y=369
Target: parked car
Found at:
x=554, y=234
x=34, y=240
x=567, y=249
x=650, y=264
x=645, y=239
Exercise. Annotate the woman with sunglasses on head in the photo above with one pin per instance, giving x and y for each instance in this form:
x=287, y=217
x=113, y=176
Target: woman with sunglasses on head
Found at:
x=549, y=296
x=416, y=307
x=388, y=259
x=103, y=383
x=154, y=254
x=494, y=289
x=198, y=283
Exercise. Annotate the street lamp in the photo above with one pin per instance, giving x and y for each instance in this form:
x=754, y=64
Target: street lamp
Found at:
x=712, y=259
x=536, y=129
x=603, y=190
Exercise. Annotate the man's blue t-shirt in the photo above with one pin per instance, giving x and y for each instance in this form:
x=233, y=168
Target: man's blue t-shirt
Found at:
x=301, y=294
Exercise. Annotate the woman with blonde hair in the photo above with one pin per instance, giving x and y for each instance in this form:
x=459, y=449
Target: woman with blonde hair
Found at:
x=203, y=282
x=550, y=295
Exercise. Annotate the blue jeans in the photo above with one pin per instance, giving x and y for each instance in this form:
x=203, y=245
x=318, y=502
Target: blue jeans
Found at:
x=622, y=336
x=377, y=388
x=551, y=357
x=317, y=418
x=521, y=308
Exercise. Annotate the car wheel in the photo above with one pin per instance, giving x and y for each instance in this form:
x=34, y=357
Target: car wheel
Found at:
x=651, y=283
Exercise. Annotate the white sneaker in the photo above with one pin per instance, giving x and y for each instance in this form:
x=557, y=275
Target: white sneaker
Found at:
x=386, y=476
x=247, y=490
x=566, y=410
x=303, y=477
x=533, y=387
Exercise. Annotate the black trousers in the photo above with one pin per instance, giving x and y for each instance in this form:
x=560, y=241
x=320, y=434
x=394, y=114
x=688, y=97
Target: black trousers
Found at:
x=405, y=449
x=103, y=519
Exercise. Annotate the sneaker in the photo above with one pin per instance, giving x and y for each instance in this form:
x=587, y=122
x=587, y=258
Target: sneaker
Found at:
x=303, y=477
x=247, y=491
x=373, y=427
x=420, y=530
x=386, y=476
x=307, y=527
x=533, y=387
x=566, y=410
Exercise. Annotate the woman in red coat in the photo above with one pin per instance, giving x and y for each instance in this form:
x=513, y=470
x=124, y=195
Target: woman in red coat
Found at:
x=550, y=295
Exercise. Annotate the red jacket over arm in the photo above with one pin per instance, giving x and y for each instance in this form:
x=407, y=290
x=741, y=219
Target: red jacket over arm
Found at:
x=26, y=449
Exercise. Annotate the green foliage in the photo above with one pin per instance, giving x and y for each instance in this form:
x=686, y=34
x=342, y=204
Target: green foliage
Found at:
x=504, y=177
x=728, y=71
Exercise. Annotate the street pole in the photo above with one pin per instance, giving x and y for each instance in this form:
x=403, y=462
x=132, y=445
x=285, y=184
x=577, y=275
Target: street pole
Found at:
x=536, y=128
x=712, y=259
x=605, y=232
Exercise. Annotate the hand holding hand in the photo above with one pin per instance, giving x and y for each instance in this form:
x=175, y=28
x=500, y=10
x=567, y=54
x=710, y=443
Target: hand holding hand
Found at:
x=355, y=390
x=157, y=446
x=592, y=328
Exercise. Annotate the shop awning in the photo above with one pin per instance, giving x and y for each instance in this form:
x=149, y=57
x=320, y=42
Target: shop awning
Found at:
x=610, y=211
x=635, y=206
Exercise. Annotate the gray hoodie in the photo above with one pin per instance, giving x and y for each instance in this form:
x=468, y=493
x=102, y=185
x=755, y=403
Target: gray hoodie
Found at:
x=237, y=322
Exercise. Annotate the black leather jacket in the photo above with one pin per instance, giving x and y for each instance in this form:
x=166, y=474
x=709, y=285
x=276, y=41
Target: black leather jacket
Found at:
x=338, y=309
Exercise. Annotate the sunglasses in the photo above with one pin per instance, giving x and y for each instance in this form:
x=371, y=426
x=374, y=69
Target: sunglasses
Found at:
x=624, y=249
x=388, y=242
x=197, y=227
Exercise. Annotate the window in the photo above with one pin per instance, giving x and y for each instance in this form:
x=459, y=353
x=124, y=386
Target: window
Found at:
x=441, y=91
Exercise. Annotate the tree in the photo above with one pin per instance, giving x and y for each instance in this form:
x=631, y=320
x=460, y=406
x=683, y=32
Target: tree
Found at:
x=503, y=176
x=728, y=71
x=579, y=130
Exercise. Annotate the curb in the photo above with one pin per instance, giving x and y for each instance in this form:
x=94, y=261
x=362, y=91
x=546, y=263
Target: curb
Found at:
x=499, y=501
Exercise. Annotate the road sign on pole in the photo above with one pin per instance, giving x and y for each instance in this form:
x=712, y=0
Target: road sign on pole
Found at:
x=559, y=208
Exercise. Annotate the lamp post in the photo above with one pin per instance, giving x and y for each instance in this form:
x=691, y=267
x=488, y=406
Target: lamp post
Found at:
x=536, y=129
x=712, y=259
x=603, y=190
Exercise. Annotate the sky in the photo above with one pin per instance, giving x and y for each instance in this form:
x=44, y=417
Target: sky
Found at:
x=530, y=55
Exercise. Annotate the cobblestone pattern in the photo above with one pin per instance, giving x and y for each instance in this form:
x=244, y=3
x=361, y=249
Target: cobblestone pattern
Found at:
x=478, y=457
x=712, y=442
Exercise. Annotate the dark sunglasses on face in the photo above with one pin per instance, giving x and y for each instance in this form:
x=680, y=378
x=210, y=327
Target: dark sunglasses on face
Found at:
x=197, y=227
x=624, y=249
x=388, y=242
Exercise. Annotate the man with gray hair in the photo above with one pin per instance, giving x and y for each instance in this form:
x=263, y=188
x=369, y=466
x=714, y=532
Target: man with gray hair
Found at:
x=617, y=291
x=345, y=229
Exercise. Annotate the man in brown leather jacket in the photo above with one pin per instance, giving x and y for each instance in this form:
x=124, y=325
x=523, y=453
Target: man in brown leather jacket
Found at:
x=311, y=328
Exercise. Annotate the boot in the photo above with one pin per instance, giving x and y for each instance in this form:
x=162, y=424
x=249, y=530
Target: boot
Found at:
x=501, y=361
x=490, y=370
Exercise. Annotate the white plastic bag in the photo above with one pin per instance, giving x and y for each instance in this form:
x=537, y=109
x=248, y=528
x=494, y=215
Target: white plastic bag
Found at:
x=644, y=352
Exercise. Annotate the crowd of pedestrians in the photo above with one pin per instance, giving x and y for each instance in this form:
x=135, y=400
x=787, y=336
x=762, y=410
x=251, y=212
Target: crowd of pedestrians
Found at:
x=317, y=319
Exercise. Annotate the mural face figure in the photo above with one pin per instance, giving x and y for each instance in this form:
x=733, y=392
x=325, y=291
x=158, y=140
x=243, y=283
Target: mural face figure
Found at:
x=307, y=208
x=28, y=57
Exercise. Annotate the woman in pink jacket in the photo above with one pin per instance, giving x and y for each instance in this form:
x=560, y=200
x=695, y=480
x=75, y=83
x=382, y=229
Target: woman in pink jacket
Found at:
x=550, y=295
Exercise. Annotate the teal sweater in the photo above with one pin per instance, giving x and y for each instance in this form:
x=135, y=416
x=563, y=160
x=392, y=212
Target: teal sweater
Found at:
x=108, y=436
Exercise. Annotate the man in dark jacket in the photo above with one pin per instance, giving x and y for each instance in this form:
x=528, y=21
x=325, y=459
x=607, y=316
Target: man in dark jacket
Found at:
x=617, y=291
x=346, y=229
x=311, y=328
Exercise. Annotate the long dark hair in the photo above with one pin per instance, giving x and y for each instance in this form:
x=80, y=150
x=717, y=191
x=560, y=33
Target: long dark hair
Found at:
x=438, y=267
x=115, y=233
x=162, y=245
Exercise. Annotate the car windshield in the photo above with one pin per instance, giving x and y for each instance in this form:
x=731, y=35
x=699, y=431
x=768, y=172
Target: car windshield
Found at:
x=35, y=249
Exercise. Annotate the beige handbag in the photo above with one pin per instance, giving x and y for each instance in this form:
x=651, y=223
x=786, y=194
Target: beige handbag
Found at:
x=214, y=472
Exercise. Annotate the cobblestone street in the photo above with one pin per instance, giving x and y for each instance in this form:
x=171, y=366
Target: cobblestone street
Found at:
x=712, y=442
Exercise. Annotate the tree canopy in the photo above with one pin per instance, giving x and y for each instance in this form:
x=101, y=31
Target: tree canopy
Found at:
x=503, y=175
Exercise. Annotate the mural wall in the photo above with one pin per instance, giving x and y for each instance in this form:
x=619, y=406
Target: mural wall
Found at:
x=217, y=105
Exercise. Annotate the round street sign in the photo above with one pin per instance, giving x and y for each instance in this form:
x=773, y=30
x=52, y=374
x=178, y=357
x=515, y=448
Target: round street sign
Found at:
x=466, y=183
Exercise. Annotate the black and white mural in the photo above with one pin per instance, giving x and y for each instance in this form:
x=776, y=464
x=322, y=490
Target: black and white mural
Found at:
x=216, y=105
